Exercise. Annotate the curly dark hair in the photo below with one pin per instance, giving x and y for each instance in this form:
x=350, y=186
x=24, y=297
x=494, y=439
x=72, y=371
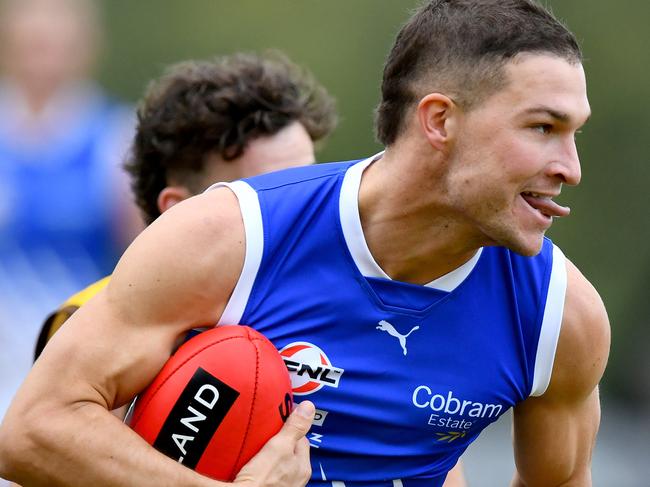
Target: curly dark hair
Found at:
x=202, y=108
x=461, y=47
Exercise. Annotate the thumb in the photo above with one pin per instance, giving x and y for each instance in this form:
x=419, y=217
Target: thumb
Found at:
x=300, y=420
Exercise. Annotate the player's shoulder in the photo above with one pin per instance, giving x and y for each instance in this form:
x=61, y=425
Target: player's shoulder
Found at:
x=215, y=210
x=299, y=174
x=583, y=345
x=200, y=240
x=585, y=319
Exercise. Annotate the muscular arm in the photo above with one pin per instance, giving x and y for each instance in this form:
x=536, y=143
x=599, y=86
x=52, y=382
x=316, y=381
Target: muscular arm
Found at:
x=177, y=275
x=554, y=434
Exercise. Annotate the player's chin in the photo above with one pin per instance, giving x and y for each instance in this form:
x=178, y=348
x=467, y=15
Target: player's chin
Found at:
x=522, y=239
x=528, y=244
x=525, y=237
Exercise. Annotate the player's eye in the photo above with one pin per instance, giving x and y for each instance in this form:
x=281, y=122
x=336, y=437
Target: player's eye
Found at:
x=543, y=128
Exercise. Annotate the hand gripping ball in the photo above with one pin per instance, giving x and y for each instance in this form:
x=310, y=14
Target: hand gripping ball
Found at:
x=216, y=401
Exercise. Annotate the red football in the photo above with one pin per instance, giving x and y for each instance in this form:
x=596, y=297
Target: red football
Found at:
x=216, y=401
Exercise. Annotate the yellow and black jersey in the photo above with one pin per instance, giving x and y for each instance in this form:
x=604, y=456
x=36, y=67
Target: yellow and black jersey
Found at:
x=57, y=318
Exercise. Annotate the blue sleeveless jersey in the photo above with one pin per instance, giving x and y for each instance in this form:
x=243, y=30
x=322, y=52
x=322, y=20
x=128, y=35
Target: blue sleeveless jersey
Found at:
x=404, y=377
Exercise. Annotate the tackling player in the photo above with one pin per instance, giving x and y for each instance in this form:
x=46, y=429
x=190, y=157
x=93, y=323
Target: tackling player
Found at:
x=220, y=120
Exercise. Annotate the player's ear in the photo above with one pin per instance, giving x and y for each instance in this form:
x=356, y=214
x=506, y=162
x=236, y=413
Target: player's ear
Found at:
x=171, y=195
x=436, y=115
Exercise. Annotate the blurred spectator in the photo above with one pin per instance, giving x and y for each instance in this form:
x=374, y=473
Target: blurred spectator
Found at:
x=65, y=213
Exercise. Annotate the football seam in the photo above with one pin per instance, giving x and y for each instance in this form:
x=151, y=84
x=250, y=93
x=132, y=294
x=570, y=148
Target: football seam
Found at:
x=169, y=376
x=253, y=398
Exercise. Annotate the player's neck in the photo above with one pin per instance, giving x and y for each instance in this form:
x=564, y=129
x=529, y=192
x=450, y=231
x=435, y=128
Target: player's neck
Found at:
x=409, y=230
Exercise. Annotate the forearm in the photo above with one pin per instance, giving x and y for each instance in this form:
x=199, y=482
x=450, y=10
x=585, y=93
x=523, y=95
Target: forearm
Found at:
x=41, y=450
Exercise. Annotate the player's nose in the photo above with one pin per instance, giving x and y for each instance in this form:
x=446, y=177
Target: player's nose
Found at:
x=567, y=165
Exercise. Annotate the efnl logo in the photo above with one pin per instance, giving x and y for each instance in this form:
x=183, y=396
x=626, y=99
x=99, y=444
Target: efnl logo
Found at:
x=309, y=368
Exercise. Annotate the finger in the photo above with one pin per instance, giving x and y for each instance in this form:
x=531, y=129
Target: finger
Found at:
x=301, y=452
x=302, y=448
x=299, y=421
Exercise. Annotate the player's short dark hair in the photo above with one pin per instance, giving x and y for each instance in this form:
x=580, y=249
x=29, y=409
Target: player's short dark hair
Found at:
x=460, y=47
x=202, y=108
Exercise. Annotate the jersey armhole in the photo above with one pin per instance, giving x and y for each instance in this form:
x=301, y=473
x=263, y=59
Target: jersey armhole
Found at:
x=551, y=324
x=251, y=212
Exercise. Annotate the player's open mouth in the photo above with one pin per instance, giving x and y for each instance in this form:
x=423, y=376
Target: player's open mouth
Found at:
x=545, y=205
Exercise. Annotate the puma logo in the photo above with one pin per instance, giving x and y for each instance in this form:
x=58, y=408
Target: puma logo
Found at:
x=390, y=329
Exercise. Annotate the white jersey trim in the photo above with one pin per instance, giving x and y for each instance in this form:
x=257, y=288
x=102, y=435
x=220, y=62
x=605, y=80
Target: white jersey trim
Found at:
x=351, y=221
x=551, y=324
x=356, y=241
x=249, y=205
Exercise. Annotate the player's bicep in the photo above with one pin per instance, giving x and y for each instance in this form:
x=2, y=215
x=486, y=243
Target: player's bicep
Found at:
x=176, y=276
x=553, y=440
x=91, y=354
x=554, y=434
x=182, y=269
